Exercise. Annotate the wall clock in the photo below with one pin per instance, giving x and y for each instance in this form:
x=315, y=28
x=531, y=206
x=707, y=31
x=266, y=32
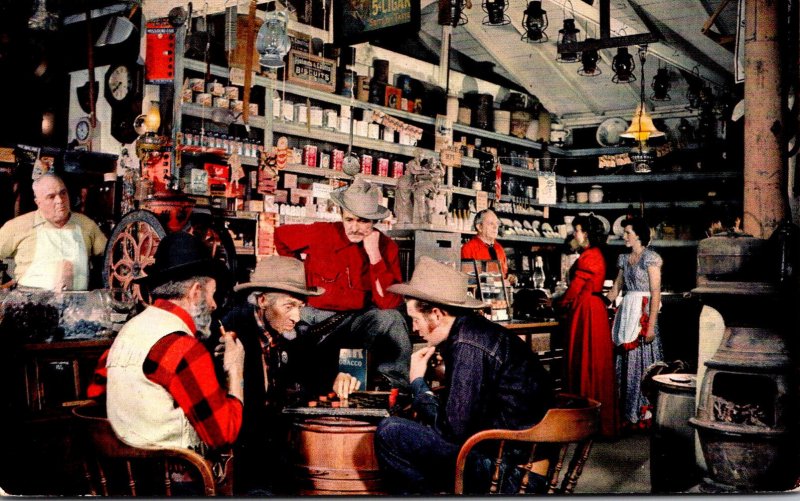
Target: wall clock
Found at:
x=121, y=83
x=124, y=89
x=83, y=130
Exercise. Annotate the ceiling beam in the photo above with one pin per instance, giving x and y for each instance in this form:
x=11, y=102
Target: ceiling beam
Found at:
x=495, y=47
x=610, y=43
x=672, y=53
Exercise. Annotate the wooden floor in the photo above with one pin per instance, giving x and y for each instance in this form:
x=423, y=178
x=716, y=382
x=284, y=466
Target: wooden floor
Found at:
x=620, y=466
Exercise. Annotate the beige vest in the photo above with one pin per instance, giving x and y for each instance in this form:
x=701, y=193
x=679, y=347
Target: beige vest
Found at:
x=141, y=412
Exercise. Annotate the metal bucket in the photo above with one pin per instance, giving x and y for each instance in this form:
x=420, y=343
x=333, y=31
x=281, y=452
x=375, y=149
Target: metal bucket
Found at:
x=673, y=467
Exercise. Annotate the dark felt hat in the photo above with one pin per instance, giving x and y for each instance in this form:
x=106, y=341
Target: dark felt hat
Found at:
x=181, y=256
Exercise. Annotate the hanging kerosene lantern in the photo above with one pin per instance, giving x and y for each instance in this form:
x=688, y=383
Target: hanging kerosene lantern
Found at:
x=272, y=41
x=589, y=60
x=567, y=35
x=661, y=85
x=534, y=20
x=495, y=13
x=623, y=66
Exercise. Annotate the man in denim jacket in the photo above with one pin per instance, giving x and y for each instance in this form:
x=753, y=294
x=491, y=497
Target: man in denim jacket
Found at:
x=492, y=380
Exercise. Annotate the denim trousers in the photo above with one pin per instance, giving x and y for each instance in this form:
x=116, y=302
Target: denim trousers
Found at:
x=384, y=333
x=415, y=459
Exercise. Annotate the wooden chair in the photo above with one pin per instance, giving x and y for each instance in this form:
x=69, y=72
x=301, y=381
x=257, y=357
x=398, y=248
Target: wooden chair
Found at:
x=116, y=469
x=569, y=425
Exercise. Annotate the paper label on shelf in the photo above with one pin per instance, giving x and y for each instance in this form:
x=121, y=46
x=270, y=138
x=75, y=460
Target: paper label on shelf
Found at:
x=320, y=190
x=547, y=188
x=481, y=201
x=236, y=76
x=289, y=180
x=450, y=157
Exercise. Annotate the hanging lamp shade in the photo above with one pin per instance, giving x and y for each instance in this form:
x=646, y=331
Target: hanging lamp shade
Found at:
x=642, y=127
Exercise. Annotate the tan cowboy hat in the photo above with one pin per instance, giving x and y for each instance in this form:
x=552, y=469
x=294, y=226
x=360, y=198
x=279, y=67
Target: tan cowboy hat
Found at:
x=280, y=273
x=362, y=199
x=437, y=283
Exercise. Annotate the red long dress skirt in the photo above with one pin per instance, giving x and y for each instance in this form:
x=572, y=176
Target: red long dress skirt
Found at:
x=590, y=351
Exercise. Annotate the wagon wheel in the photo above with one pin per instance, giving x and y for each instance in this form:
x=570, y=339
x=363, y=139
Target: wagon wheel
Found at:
x=130, y=249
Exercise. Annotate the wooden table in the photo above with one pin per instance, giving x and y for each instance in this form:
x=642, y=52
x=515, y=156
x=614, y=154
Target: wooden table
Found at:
x=544, y=338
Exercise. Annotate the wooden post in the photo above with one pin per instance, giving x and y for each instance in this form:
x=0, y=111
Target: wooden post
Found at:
x=765, y=199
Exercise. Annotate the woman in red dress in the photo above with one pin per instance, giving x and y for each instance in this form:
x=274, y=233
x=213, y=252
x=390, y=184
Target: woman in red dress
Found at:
x=590, y=351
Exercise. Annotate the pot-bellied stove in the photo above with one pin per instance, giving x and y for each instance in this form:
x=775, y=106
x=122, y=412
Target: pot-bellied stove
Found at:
x=747, y=413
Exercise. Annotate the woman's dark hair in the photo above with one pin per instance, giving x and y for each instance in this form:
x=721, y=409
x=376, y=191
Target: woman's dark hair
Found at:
x=640, y=227
x=594, y=229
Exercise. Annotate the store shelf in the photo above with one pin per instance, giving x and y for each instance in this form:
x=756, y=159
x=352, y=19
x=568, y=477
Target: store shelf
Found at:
x=336, y=174
x=534, y=240
x=221, y=71
x=648, y=178
x=206, y=113
x=659, y=243
x=505, y=138
x=688, y=204
x=320, y=134
x=588, y=152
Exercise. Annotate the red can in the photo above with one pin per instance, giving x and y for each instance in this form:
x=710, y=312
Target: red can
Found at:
x=337, y=159
x=397, y=169
x=366, y=164
x=383, y=167
x=310, y=155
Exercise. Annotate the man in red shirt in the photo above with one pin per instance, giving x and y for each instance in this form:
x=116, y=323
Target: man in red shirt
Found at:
x=355, y=264
x=484, y=245
x=161, y=387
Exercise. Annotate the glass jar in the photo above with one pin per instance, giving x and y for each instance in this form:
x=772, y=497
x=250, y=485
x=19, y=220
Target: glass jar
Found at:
x=596, y=194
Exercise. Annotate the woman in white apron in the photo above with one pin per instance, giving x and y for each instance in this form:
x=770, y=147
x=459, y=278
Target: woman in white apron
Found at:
x=635, y=329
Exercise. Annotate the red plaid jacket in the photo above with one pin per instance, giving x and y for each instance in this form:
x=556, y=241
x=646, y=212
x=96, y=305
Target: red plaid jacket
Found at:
x=184, y=367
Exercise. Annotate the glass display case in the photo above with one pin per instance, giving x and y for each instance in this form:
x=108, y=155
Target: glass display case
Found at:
x=487, y=284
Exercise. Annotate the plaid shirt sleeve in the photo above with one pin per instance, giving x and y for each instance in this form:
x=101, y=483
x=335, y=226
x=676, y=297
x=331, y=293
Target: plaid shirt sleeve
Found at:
x=182, y=364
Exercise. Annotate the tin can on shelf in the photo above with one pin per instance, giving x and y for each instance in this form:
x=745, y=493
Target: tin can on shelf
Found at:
x=324, y=161
x=301, y=113
x=337, y=159
x=388, y=135
x=315, y=116
x=222, y=102
x=331, y=120
x=231, y=92
x=383, y=167
x=361, y=128
x=397, y=168
x=197, y=84
x=203, y=99
x=366, y=164
x=236, y=105
x=310, y=155
x=288, y=111
x=344, y=125
x=186, y=95
x=215, y=89
x=276, y=107
x=373, y=131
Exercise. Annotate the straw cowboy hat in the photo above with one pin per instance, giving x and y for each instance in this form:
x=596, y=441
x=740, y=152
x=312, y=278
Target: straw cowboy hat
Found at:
x=280, y=273
x=362, y=199
x=181, y=256
x=437, y=283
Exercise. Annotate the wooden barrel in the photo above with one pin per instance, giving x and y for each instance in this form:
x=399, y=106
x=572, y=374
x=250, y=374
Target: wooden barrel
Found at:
x=336, y=456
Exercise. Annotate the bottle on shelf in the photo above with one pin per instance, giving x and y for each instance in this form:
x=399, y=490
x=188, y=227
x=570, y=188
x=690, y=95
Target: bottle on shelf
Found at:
x=538, y=276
